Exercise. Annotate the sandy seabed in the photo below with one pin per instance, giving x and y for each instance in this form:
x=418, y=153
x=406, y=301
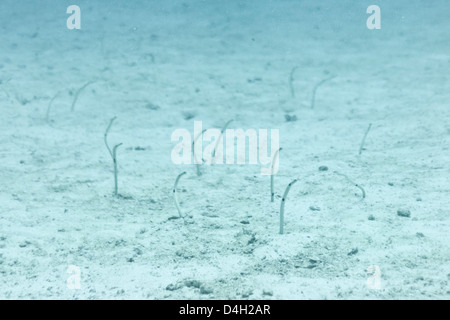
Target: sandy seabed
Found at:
x=159, y=68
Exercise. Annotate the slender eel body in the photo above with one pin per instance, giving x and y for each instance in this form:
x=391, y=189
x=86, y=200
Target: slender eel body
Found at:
x=47, y=117
x=291, y=81
x=353, y=183
x=361, y=147
x=194, y=154
x=113, y=154
x=283, y=201
x=175, y=198
x=75, y=99
x=313, y=99
x=218, y=140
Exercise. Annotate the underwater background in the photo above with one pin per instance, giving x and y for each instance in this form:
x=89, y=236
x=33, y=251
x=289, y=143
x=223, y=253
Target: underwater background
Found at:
x=364, y=126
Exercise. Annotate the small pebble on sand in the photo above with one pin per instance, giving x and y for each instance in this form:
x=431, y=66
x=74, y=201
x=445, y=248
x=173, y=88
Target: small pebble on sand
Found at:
x=404, y=213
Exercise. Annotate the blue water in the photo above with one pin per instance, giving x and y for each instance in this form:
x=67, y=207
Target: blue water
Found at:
x=365, y=199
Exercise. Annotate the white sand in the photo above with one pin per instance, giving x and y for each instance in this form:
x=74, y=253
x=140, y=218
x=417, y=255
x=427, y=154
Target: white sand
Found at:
x=219, y=62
